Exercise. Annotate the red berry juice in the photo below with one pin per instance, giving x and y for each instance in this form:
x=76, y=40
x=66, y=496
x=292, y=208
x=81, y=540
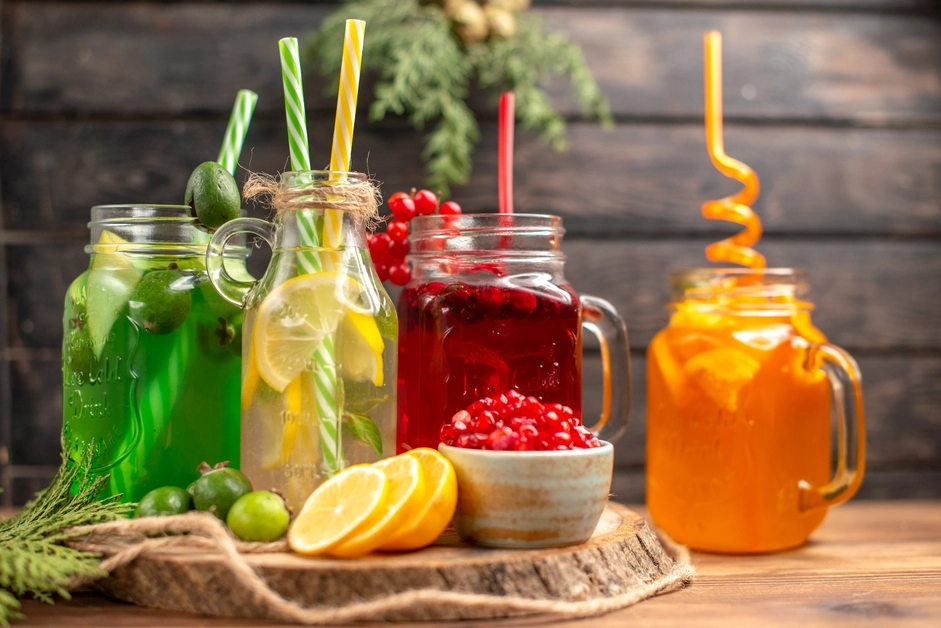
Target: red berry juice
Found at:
x=460, y=341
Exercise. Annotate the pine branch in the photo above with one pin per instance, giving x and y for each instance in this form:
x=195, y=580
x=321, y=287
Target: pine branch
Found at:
x=32, y=559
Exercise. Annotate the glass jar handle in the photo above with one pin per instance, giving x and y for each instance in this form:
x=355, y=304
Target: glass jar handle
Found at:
x=846, y=381
x=233, y=290
x=602, y=320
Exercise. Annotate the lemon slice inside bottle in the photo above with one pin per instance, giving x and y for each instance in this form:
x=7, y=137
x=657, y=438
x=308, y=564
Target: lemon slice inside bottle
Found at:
x=111, y=280
x=293, y=321
x=360, y=349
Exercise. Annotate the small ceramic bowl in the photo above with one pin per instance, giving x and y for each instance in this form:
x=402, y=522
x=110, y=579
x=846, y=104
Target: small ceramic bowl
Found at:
x=530, y=499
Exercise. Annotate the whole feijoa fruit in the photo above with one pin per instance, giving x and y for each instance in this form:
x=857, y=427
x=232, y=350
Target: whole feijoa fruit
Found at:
x=218, y=488
x=163, y=501
x=161, y=300
x=259, y=516
x=213, y=195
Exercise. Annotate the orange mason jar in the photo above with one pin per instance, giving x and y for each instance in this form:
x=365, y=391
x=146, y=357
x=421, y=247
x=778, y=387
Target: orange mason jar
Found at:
x=742, y=391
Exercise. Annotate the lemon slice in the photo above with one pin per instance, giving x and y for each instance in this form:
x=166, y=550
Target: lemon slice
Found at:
x=406, y=493
x=438, y=503
x=360, y=349
x=111, y=280
x=340, y=505
x=722, y=373
x=292, y=322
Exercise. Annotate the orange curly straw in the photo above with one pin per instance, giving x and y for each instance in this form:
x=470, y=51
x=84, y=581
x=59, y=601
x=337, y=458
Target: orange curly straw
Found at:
x=735, y=208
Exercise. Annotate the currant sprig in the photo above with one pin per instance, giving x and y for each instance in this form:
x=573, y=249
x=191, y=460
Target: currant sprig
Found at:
x=388, y=250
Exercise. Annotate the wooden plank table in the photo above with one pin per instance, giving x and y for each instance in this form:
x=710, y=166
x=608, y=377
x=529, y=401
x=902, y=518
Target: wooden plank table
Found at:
x=870, y=563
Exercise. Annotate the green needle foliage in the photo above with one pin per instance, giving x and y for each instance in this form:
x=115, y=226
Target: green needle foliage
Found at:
x=425, y=72
x=33, y=560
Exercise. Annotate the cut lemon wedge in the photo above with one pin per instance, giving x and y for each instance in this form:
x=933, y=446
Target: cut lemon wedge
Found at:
x=292, y=322
x=438, y=503
x=356, y=497
x=722, y=373
x=360, y=349
x=405, y=497
x=111, y=280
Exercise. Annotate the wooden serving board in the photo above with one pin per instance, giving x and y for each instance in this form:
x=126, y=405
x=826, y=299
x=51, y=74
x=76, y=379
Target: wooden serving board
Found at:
x=622, y=554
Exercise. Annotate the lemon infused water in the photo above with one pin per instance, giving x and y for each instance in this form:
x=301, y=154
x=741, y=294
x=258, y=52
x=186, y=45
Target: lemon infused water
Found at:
x=319, y=340
x=151, y=354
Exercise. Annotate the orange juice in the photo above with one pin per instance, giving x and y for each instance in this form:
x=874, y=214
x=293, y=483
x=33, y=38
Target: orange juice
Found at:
x=739, y=414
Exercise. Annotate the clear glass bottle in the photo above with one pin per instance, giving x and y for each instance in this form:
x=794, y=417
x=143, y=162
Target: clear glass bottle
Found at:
x=739, y=389
x=319, y=342
x=151, y=354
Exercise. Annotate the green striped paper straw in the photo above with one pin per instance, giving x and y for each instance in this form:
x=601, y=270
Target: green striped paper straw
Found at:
x=325, y=373
x=237, y=129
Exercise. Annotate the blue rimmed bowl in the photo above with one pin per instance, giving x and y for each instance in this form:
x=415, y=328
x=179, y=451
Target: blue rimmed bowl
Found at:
x=530, y=499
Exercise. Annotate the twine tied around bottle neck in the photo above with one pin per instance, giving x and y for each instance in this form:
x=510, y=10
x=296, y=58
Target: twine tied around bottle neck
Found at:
x=359, y=198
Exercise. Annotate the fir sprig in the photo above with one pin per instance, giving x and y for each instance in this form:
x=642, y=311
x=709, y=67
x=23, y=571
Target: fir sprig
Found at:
x=33, y=560
x=425, y=72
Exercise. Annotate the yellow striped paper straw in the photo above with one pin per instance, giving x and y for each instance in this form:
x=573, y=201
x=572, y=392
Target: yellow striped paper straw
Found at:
x=345, y=120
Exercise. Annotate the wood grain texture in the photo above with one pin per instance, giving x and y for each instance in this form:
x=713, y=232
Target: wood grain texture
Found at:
x=622, y=554
x=640, y=179
x=872, y=69
x=875, y=563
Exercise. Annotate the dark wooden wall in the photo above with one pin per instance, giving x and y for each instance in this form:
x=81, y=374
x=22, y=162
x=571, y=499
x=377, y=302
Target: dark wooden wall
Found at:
x=836, y=104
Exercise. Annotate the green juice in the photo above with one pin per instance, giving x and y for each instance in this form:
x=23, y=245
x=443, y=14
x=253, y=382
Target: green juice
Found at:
x=155, y=398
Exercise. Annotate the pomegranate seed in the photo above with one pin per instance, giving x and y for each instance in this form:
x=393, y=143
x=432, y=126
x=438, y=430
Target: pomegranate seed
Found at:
x=402, y=206
x=426, y=202
x=512, y=421
x=449, y=208
x=397, y=230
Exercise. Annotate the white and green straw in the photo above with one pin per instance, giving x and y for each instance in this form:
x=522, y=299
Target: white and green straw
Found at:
x=235, y=133
x=325, y=373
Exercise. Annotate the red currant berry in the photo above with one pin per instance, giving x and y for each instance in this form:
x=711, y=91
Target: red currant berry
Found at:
x=400, y=274
x=382, y=270
x=398, y=250
x=449, y=208
x=397, y=230
x=402, y=206
x=379, y=247
x=426, y=202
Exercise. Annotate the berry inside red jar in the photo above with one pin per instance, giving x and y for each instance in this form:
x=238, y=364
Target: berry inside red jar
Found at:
x=514, y=422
